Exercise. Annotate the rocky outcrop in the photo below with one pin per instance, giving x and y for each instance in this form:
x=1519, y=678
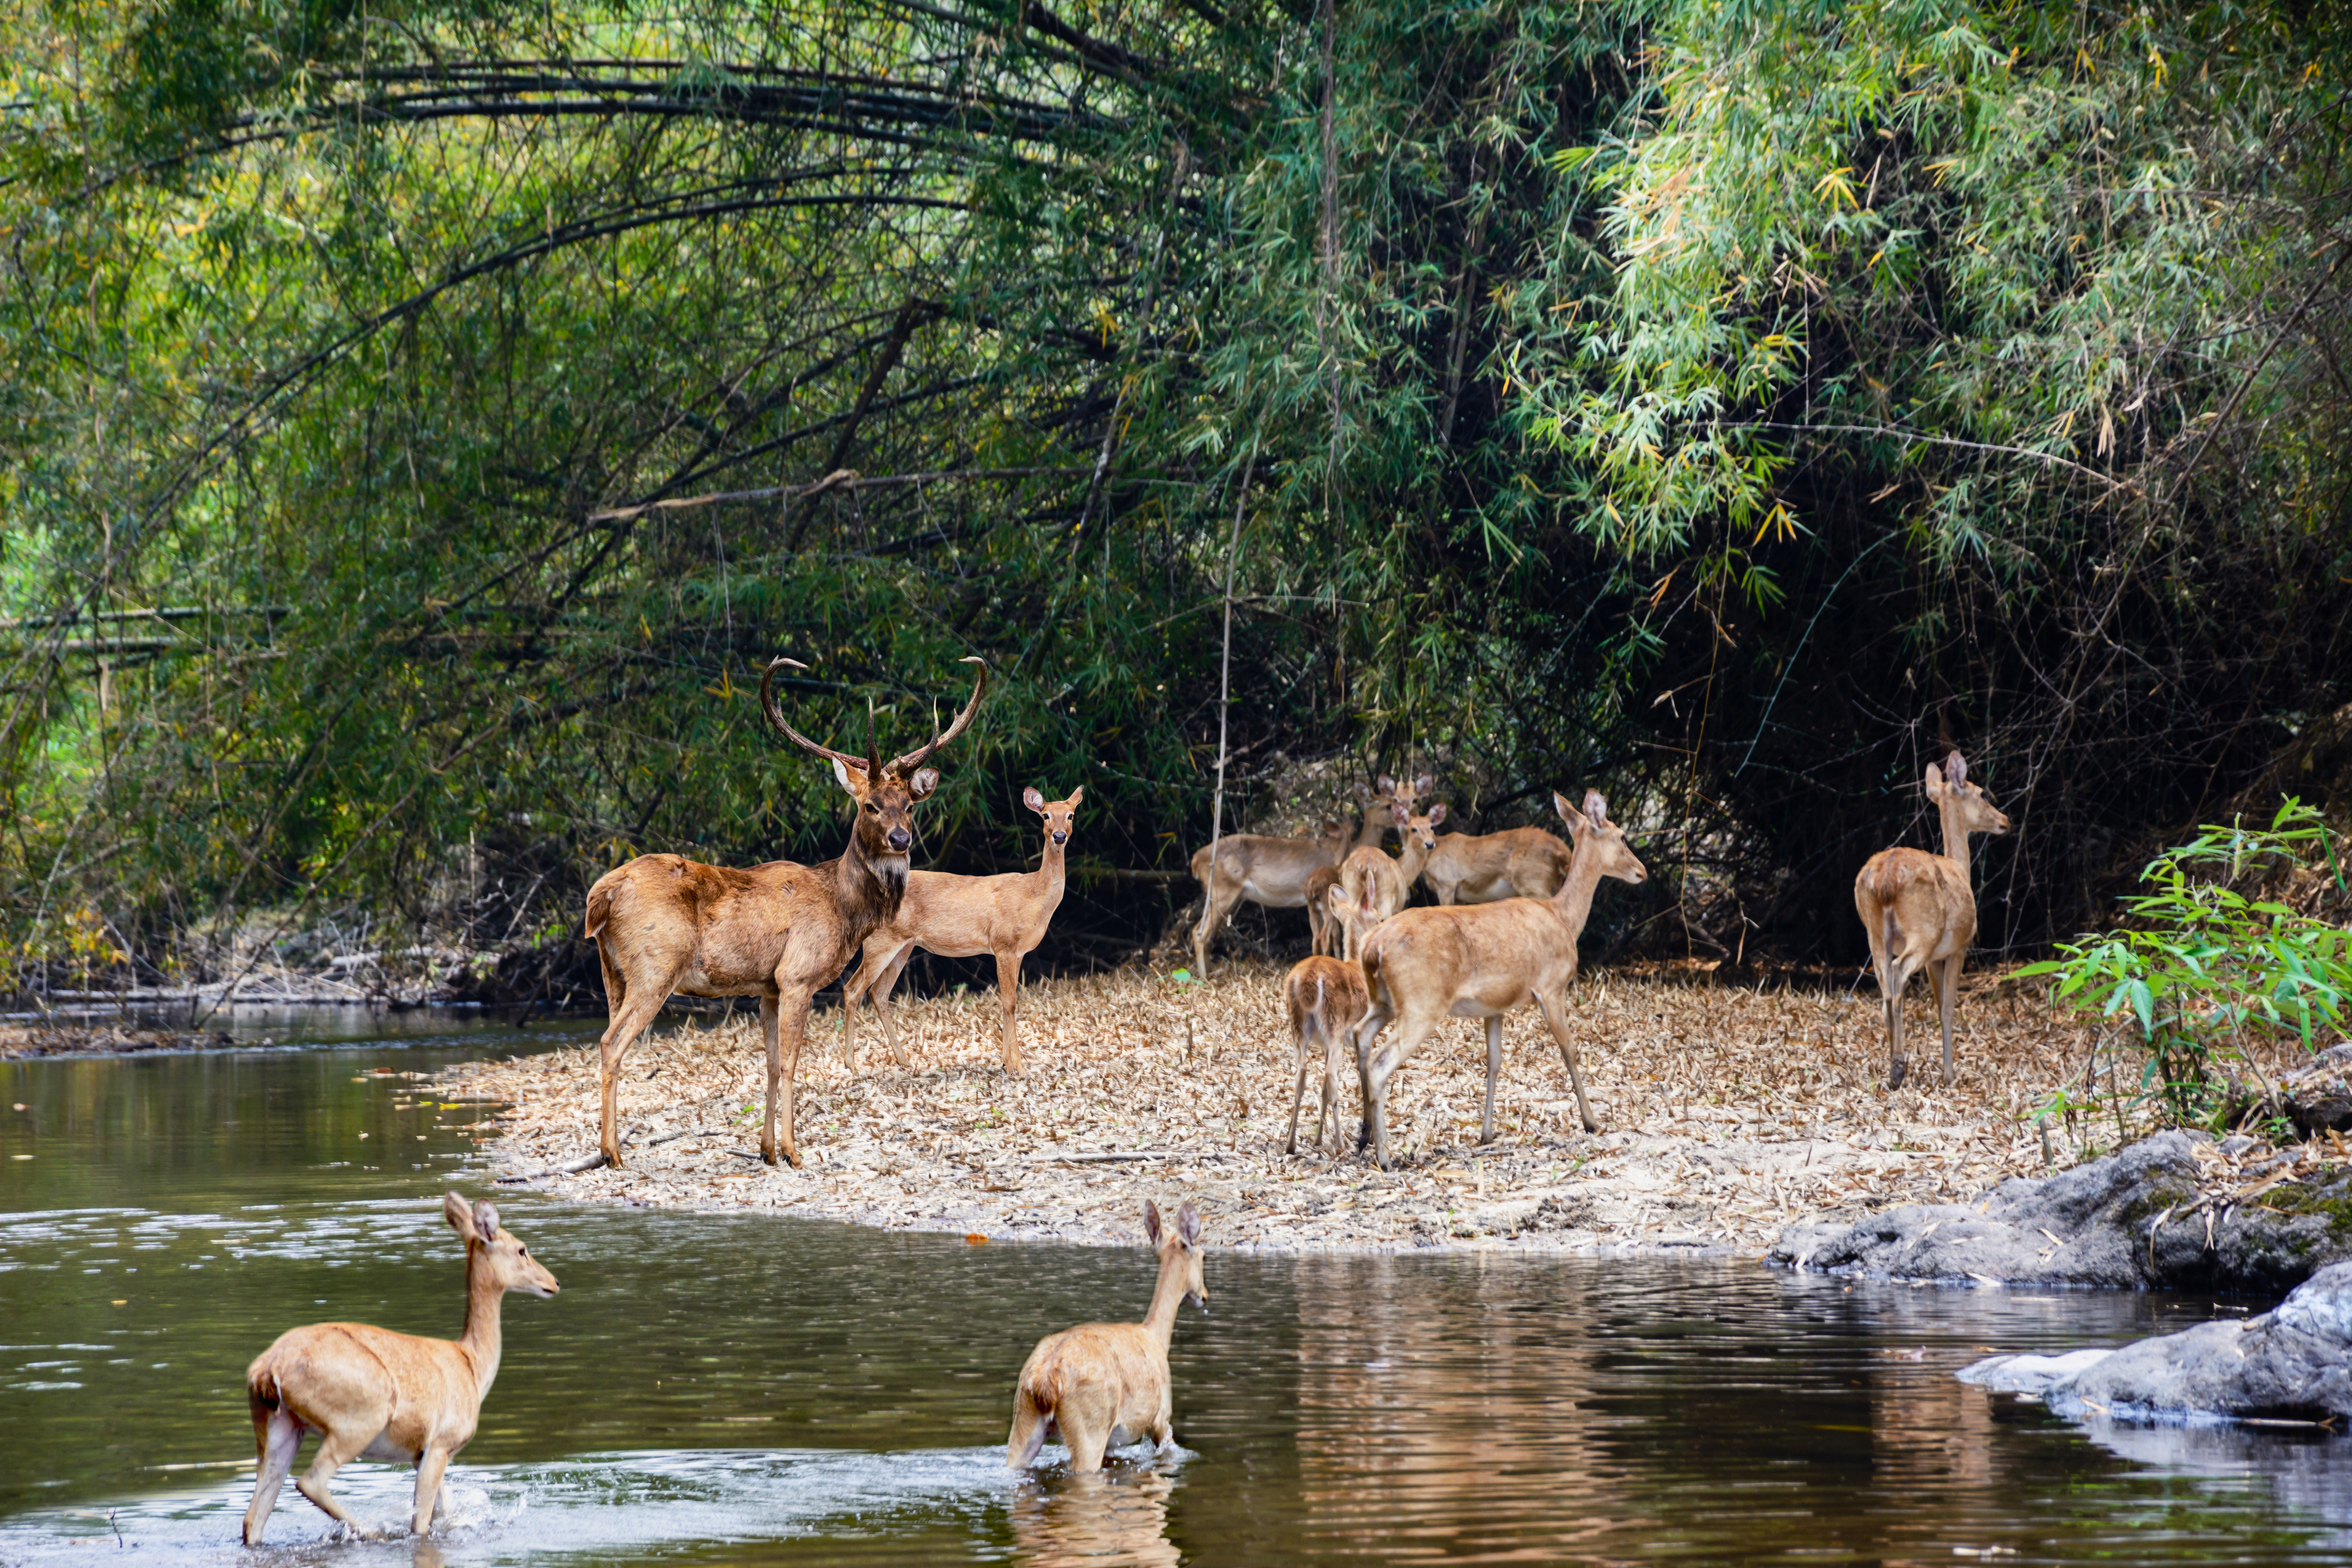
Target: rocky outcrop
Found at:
x=2292, y=1364
x=2174, y=1212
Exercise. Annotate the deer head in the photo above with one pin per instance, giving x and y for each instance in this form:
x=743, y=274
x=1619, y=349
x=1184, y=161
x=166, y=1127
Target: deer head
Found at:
x=1599, y=838
x=1421, y=827
x=509, y=1262
x=1058, y=814
x=886, y=793
x=1949, y=789
x=1184, y=1240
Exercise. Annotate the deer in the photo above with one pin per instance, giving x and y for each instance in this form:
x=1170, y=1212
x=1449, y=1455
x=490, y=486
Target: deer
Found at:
x=1323, y=929
x=963, y=917
x=1326, y=998
x=1376, y=886
x=1274, y=871
x=1482, y=961
x=1478, y=868
x=1920, y=911
x=371, y=1394
x=666, y=925
x=1099, y=1383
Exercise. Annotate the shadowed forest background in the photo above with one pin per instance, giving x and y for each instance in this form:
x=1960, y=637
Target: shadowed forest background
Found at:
x=423, y=421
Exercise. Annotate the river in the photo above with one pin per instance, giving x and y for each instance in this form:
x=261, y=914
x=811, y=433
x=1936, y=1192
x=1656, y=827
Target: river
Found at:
x=769, y=1391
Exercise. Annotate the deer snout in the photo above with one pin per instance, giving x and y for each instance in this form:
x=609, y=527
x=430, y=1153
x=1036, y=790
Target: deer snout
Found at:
x=1061, y=839
x=900, y=838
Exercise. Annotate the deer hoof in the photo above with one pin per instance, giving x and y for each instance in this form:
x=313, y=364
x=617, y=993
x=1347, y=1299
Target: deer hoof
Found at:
x=1895, y=1076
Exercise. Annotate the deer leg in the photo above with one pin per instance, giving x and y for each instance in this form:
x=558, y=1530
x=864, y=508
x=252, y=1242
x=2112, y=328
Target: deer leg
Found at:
x=630, y=1016
x=1330, y=1108
x=1376, y=1075
x=1008, y=997
x=785, y=1035
x=429, y=1466
x=1558, y=1020
x=1298, y=1094
x=880, y=996
x=1087, y=1442
x=336, y=1449
x=1367, y=1030
x=1948, y=998
x=1217, y=904
x=769, y=1006
x=277, y=1438
x=1493, y=1071
x=1899, y=972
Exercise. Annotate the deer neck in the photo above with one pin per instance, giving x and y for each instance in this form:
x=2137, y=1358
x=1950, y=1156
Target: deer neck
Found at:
x=482, y=1342
x=868, y=891
x=1368, y=833
x=1573, y=902
x=1412, y=856
x=1165, y=1297
x=1956, y=838
x=1050, y=871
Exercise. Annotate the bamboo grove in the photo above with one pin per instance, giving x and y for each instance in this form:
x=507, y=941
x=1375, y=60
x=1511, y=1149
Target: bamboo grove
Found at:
x=424, y=420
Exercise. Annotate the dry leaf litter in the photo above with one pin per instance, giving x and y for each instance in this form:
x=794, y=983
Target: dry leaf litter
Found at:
x=1727, y=1114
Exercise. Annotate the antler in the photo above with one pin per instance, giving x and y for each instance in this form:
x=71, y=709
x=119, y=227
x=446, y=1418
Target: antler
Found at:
x=902, y=766
x=776, y=717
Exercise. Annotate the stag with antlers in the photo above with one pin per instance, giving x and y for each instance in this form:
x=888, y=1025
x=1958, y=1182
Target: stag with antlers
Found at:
x=664, y=924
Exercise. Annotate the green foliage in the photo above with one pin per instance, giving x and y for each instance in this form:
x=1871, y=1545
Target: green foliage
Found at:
x=2197, y=965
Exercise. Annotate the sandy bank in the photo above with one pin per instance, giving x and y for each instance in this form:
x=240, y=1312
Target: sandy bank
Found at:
x=1727, y=1113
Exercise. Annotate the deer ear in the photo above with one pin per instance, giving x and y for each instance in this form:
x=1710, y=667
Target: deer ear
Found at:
x=1568, y=813
x=849, y=778
x=460, y=1215
x=1151, y=1221
x=1078, y=794
x=486, y=1220
x=1955, y=771
x=1388, y=784
x=1337, y=896
x=1188, y=1224
x=1437, y=813
x=1425, y=783
x=1935, y=781
x=925, y=781
x=1033, y=800
x=1596, y=807
x=1363, y=793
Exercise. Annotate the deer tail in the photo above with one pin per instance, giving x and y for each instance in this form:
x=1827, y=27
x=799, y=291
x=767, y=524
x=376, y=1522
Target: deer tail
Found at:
x=1368, y=961
x=600, y=905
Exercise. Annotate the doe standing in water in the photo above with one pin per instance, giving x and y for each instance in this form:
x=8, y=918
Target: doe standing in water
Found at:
x=1920, y=911
x=1098, y=1383
x=374, y=1394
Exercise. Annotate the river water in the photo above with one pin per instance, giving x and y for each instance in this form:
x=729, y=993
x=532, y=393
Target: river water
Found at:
x=770, y=1391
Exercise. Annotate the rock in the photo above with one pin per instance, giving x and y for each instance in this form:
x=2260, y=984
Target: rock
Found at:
x=2134, y=1220
x=2292, y=1364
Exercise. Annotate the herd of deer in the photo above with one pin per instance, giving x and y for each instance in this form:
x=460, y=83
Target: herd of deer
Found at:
x=1510, y=908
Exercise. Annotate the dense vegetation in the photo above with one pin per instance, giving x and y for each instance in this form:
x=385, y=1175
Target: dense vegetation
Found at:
x=424, y=418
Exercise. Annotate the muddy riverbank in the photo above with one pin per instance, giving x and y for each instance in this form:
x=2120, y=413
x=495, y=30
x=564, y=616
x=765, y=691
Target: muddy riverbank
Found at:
x=1728, y=1114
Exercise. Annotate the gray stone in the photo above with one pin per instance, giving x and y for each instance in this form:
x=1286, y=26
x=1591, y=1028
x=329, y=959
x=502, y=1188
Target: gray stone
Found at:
x=2122, y=1221
x=2292, y=1363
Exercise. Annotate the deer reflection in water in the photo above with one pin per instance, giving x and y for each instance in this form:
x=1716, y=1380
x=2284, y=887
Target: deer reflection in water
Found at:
x=1097, y=1518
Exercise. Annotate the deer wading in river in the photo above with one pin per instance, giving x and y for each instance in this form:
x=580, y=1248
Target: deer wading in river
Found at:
x=1920, y=910
x=1481, y=961
x=665, y=924
x=963, y=917
x=374, y=1394
x=1101, y=1383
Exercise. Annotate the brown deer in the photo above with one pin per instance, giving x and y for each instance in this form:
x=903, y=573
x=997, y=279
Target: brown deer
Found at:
x=1478, y=868
x=1326, y=998
x=1274, y=871
x=665, y=924
x=1376, y=886
x=1920, y=911
x=1481, y=961
x=1098, y=1383
x=963, y=917
x=373, y=1393
x=1323, y=931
